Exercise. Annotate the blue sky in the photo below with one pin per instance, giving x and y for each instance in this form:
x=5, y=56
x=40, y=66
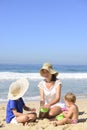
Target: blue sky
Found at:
x=37, y=31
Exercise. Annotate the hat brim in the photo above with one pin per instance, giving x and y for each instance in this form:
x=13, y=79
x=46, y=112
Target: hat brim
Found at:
x=51, y=71
x=24, y=85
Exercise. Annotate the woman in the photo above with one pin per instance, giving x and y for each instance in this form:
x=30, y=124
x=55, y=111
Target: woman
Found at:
x=50, y=91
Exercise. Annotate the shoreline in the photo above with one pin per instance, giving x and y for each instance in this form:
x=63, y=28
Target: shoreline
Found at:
x=78, y=97
x=45, y=123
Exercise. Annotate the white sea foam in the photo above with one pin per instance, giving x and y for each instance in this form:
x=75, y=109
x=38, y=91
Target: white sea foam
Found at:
x=12, y=75
x=36, y=76
x=34, y=98
x=73, y=75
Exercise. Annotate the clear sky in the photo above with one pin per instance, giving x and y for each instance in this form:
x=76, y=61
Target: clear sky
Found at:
x=37, y=31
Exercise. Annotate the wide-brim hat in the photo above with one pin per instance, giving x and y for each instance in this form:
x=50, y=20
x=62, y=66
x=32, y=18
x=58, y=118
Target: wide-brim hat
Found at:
x=18, y=88
x=49, y=68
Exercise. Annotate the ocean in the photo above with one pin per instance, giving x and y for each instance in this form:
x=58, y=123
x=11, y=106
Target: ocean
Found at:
x=73, y=78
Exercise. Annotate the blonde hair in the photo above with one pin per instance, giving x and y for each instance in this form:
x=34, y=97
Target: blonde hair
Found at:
x=70, y=97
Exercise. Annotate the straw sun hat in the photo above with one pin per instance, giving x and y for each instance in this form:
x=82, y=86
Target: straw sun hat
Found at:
x=18, y=88
x=49, y=68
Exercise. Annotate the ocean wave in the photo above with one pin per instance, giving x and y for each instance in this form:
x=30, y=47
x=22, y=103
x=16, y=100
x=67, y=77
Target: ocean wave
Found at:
x=36, y=76
x=37, y=98
x=34, y=98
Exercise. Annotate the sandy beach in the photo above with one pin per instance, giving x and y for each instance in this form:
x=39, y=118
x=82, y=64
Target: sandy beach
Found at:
x=45, y=124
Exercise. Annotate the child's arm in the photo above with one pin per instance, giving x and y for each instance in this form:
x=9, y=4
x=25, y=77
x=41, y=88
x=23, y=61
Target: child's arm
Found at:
x=28, y=108
x=16, y=113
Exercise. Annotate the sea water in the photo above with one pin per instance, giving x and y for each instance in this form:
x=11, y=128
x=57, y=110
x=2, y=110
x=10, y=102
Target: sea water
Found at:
x=73, y=78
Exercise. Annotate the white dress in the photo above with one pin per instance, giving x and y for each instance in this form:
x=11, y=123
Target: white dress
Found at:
x=49, y=94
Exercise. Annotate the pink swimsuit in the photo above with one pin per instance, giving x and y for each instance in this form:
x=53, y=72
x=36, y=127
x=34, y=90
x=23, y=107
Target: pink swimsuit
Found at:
x=74, y=121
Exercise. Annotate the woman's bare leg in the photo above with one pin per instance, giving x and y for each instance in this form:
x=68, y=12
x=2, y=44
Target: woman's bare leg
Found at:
x=54, y=111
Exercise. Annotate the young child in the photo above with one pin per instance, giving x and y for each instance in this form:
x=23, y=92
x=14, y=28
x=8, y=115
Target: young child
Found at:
x=15, y=105
x=70, y=115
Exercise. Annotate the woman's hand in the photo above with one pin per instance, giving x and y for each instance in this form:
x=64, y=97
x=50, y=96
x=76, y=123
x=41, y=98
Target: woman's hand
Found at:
x=47, y=106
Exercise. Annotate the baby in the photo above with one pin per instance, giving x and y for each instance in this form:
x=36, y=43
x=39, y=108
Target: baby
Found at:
x=70, y=115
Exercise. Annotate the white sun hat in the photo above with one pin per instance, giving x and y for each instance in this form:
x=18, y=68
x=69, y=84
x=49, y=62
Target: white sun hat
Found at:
x=18, y=88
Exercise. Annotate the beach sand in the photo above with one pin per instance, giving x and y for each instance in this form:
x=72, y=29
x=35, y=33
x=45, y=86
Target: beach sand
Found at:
x=45, y=124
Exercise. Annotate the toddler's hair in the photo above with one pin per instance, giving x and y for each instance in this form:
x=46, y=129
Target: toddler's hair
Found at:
x=70, y=97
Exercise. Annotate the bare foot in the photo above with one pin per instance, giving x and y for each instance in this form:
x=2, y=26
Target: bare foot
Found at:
x=55, y=123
